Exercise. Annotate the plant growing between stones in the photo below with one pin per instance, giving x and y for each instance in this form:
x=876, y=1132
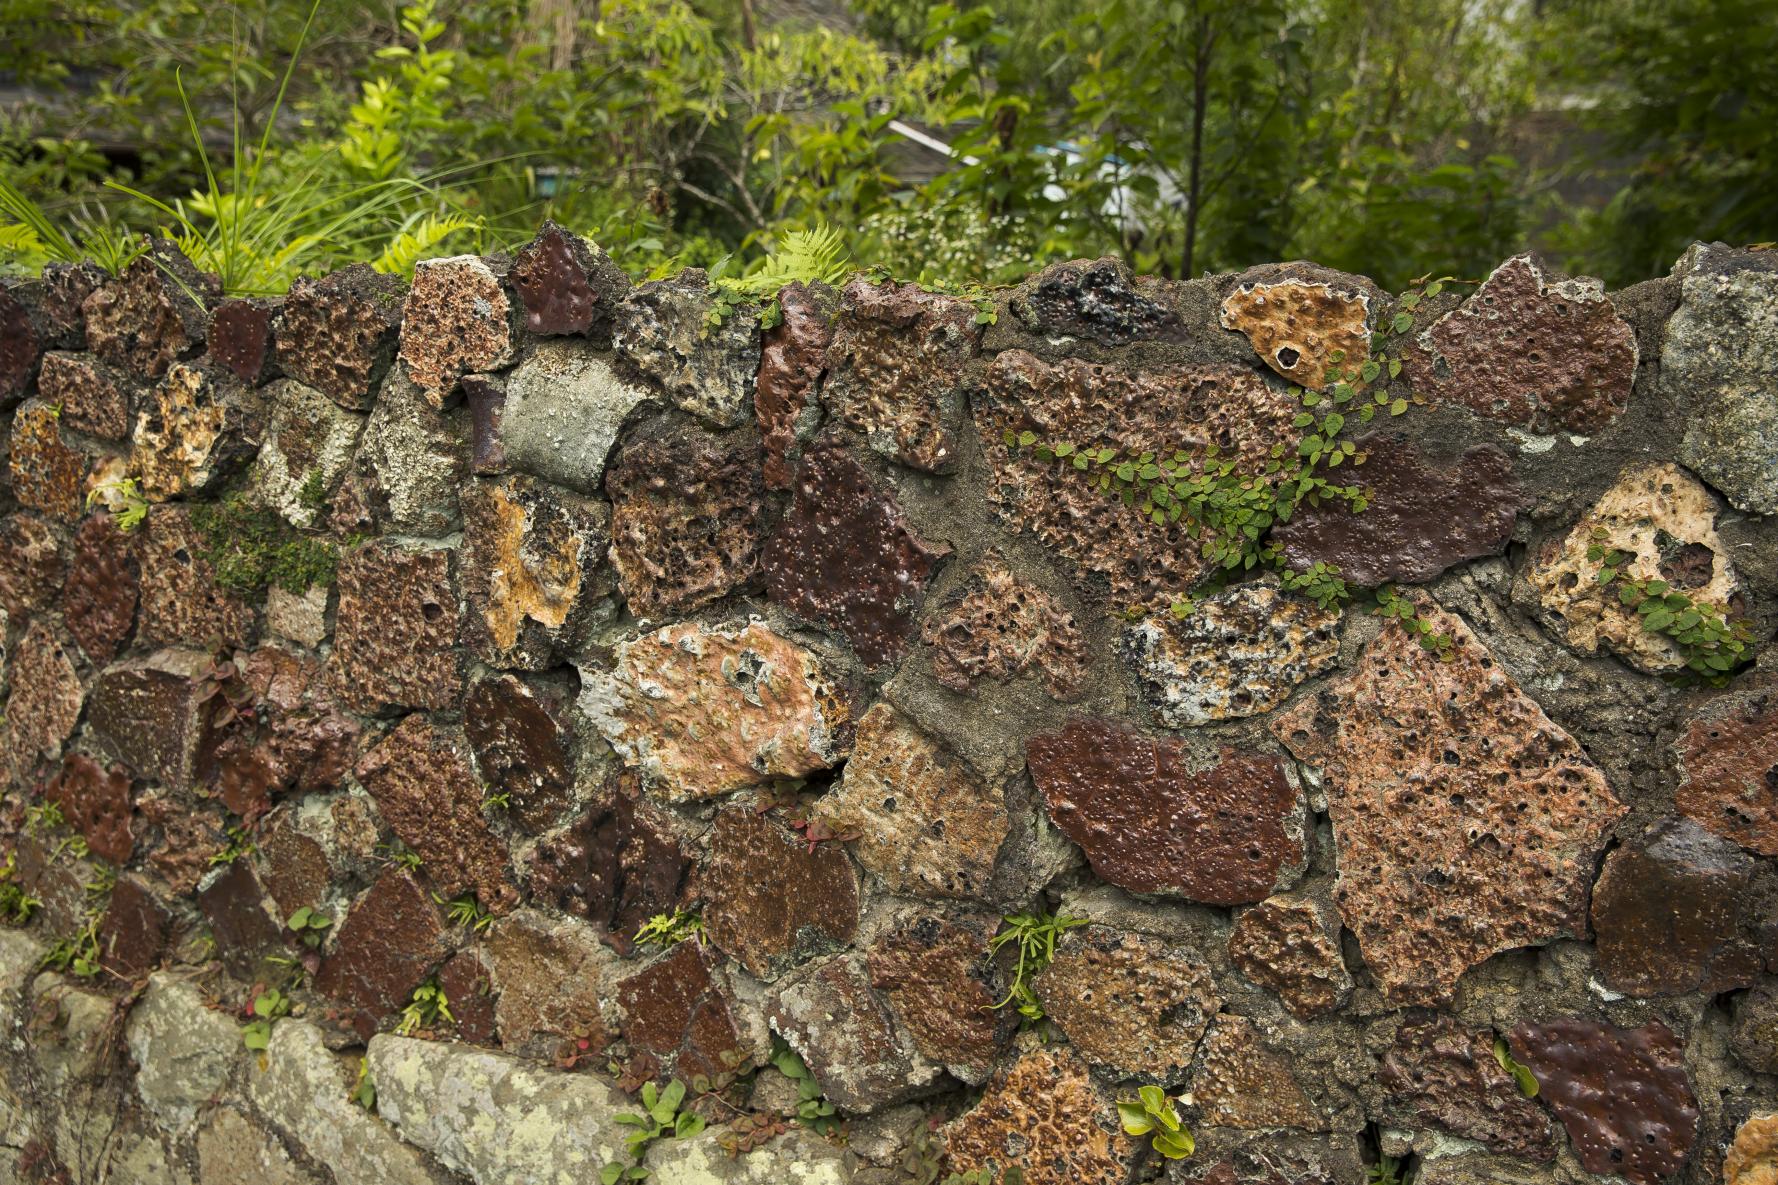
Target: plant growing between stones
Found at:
x=398, y=855
x=310, y=926
x=268, y=1007
x=251, y=548
x=1034, y=934
x=1713, y=646
x=16, y=905
x=660, y=1119
x=240, y=843
x=1387, y=1171
x=1152, y=1113
x=813, y=1111
x=464, y=910
x=802, y=256
x=1522, y=1075
x=670, y=929
x=128, y=506
x=364, y=1091
x=425, y=1009
x=78, y=954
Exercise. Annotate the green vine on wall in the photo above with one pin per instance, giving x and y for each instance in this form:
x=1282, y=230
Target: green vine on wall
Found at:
x=1713, y=646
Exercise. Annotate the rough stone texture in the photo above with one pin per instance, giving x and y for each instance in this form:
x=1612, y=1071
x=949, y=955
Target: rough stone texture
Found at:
x=1291, y=944
x=617, y=865
x=147, y=317
x=1753, y=1157
x=680, y=1011
x=565, y=284
x=773, y=900
x=147, y=712
x=394, y=644
x=32, y=566
x=1240, y=652
x=1443, y=1075
x=1041, y=1114
x=792, y=363
x=292, y=739
x=828, y=1014
x=532, y=570
x=338, y=334
x=1094, y=301
x=1229, y=1156
x=927, y=824
x=192, y=432
x=241, y=338
x=464, y=981
x=94, y=398
x=686, y=519
x=896, y=370
x=1243, y=1081
x=703, y=711
x=1132, y=1005
x=457, y=320
x=1420, y=519
x=387, y=942
x=1151, y=823
x=1427, y=763
x=937, y=979
x=1665, y=521
x=1728, y=757
x=520, y=736
x=1528, y=349
x=235, y=1149
x=96, y=802
x=309, y=443
x=846, y=556
x=104, y=583
x=662, y=329
x=798, y=1157
x=65, y=289
x=1621, y=1093
x=45, y=703
x=47, y=475
x=997, y=626
x=410, y=465
x=183, y=1050
x=181, y=602
x=300, y=618
x=240, y=919
x=132, y=932
x=294, y=865
x=563, y=408
x=550, y=980
x=1298, y=316
x=21, y=343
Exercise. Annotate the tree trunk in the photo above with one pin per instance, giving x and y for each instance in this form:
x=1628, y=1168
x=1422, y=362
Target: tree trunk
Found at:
x=1200, y=101
x=747, y=36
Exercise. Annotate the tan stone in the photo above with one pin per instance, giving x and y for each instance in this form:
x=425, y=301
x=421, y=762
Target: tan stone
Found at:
x=1297, y=325
x=1043, y=1115
x=188, y=435
x=550, y=978
x=1753, y=1158
x=1131, y=1004
x=1243, y=1082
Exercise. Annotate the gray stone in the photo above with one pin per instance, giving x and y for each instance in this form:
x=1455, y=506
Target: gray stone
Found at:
x=564, y=406
x=663, y=330
x=233, y=1149
x=309, y=435
x=183, y=1050
x=412, y=460
x=798, y=1157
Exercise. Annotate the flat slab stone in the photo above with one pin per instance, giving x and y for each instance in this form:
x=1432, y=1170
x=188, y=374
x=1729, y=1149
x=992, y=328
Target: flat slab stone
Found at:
x=772, y=899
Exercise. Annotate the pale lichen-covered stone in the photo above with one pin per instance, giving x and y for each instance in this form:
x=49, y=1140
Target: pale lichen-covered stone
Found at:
x=1291, y=944
x=1299, y=317
x=1240, y=652
x=561, y=414
x=798, y=1157
x=411, y=461
x=1131, y=1004
x=1467, y=822
x=338, y=333
x=1665, y=521
x=235, y=1149
x=1043, y=1115
x=194, y=430
x=183, y=1050
x=1728, y=761
x=532, y=564
x=701, y=711
x=456, y=321
x=1753, y=1157
x=828, y=1014
x=663, y=329
x=309, y=444
x=1242, y=1081
x=772, y=898
x=47, y=475
x=998, y=626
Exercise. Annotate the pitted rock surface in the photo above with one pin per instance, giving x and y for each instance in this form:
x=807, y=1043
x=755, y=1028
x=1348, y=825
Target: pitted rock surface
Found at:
x=686, y=519
x=1467, y=822
x=1420, y=520
x=565, y=284
x=662, y=329
x=1132, y=1005
x=65, y=289
x=561, y=414
x=241, y=338
x=1151, y=823
x=457, y=321
x=96, y=802
x=617, y=865
x=936, y=976
x=47, y=476
x=998, y=626
x=293, y=739
x=148, y=317
x=1621, y=1093
x=772, y=899
x=701, y=711
x=21, y=344
x=94, y=398
x=828, y=1014
x=1095, y=301
x=193, y=431
x=32, y=565
x=1243, y=1081
x=389, y=939
x=410, y=464
x=1291, y=944
x=792, y=361
x=1728, y=757
x=1528, y=349
x=1753, y=1157
x=1229, y=1156
x=521, y=736
x=531, y=572
x=45, y=703
x=1240, y=652
x=394, y=644
x=1299, y=316
x=1044, y=1115
x=1443, y=1075
x=309, y=439
x=895, y=370
x=148, y=713
x=338, y=334
x=927, y=824
x=680, y=1011
x=550, y=978
x=181, y=601
x=1666, y=523
x=846, y=556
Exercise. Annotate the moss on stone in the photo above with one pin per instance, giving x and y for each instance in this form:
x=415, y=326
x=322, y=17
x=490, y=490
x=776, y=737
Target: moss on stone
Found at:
x=252, y=548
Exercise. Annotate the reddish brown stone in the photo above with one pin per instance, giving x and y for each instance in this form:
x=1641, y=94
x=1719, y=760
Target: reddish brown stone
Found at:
x=1621, y=1093
x=133, y=931
x=896, y=370
x=55, y=877
x=846, y=556
x=287, y=735
x=617, y=866
x=45, y=703
x=181, y=837
x=1420, y=520
x=195, y=430
x=241, y=919
x=792, y=360
x=292, y=865
x=148, y=713
x=457, y=320
x=94, y=398
x=1095, y=302
x=939, y=981
x=182, y=604
x=552, y=980
x=566, y=284
x=998, y=626
x=685, y=518
x=21, y=342
x=31, y=565
x=465, y=983
x=65, y=289
x=679, y=1011
x=396, y=630
x=149, y=316
x=338, y=334
x=104, y=580
x=1042, y=1115
x=1440, y=1074
x=1150, y=823
x=47, y=475
x=429, y=796
x=241, y=338
x=1300, y=316
x=520, y=734
x=1526, y=349
x=96, y=802
x=1242, y=1081
x=1729, y=761
x=828, y=1014
x=1467, y=822
x=1230, y=1156
x=1132, y=1005
x=772, y=899
x=485, y=397
x=390, y=938
x=1292, y=946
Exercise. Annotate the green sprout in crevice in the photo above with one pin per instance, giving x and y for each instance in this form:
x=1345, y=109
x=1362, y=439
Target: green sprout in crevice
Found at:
x=1712, y=646
x=16, y=905
x=427, y=1008
x=1034, y=935
x=269, y=1007
x=670, y=929
x=662, y=1118
x=1152, y=1113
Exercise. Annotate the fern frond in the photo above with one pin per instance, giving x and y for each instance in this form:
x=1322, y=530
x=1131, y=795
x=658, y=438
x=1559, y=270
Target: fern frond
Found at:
x=408, y=247
x=22, y=249
x=802, y=255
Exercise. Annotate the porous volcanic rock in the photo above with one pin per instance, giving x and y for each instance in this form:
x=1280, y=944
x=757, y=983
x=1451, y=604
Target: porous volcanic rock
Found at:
x=241, y=338
x=1095, y=301
x=44, y=707
x=531, y=569
x=1242, y=1081
x=456, y=321
x=828, y=1014
x=147, y=712
x=521, y=735
x=150, y=315
x=997, y=626
x=939, y=981
x=846, y=556
x=396, y=632
x=194, y=430
x=240, y=918
x=1440, y=1074
x=410, y=464
x=1041, y=1114
x=565, y=284
x=21, y=340
x=561, y=413
x=1291, y=944
x=47, y=476
x=550, y=978
x=294, y=739
x=792, y=361
x=94, y=398
x=1299, y=316
x=1151, y=823
x=390, y=938
x=772, y=899
x=1728, y=759
x=62, y=308
x=181, y=601
x=703, y=710
x=617, y=865
x=1230, y=1156
x=1467, y=822
x=680, y=1011
x=1132, y=1005
x=663, y=329
x=338, y=334
x=309, y=445
x=32, y=565
x=96, y=802
x=1753, y=1157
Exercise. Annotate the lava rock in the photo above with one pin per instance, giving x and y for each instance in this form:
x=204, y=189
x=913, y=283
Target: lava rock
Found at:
x=565, y=284
x=998, y=626
x=774, y=900
x=457, y=321
x=396, y=631
x=1291, y=944
x=792, y=363
x=664, y=329
x=338, y=334
x=1300, y=316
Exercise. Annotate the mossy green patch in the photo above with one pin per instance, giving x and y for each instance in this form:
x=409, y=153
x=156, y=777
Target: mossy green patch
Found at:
x=252, y=548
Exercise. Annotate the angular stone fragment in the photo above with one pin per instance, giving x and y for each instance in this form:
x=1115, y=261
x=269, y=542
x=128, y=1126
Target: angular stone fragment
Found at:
x=239, y=1150
x=550, y=979
x=1095, y=301
x=1243, y=1082
x=686, y=518
x=300, y=618
x=182, y=839
x=792, y=362
x=1150, y=823
x=566, y=284
x=1526, y=349
x=1240, y=652
x=150, y=315
x=396, y=630
x=181, y=601
x=616, y=866
x=562, y=411
x=998, y=626
x=520, y=735
x=663, y=329
x=47, y=475
x=21, y=342
x=183, y=1051
x=241, y=338
x=939, y=981
x=1728, y=758
x=65, y=289
x=147, y=712
x=1292, y=946
x=828, y=1014
x=484, y=396
x=1753, y=1157
x=192, y=432
x=845, y=555
x=32, y=566
x=93, y=398
x=701, y=711
x=390, y=938
x=1440, y=1074
x=772, y=899
x=45, y=703
x=1043, y=1115
x=927, y=823
x=338, y=334
x=1132, y=1005
x=240, y=919
x=291, y=739
x=1419, y=519
x=132, y=931
x=412, y=460
x=427, y=793
x=1621, y=1093
x=294, y=865
x=1665, y=522
x=457, y=320
x=1179, y=408
x=679, y=1010
x=531, y=570
x=464, y=981
x=96, y=802
x=1467, y=822
x=1299, y=316
x=309, y=444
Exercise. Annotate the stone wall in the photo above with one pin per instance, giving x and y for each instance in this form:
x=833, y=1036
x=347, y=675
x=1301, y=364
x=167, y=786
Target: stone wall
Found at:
x=490, y=618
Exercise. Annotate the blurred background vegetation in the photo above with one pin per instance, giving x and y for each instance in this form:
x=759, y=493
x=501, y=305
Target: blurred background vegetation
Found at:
x=946, y=143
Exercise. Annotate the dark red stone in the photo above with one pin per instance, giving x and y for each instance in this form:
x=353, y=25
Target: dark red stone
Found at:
x=104, y=582
x=338, y=334
x=96, y=802
x=151, y=315
x=390, y=939
x=565, y=284
x=241, y=338
x=293, y=865
x=1446, y=1076
x=486, y=400
x=132, y=931
x=240, y=918
x=939, y=981
x=1728, y=759
x=771, y=898
x=520, y=734
x=465, y=984
x=617, y=865
x=65, y=289
x=20, y=344
x=287, y=735
x=148, y=713
x=793, y=357
x=678, y=1011
x=396, y=629
x=1096, y=302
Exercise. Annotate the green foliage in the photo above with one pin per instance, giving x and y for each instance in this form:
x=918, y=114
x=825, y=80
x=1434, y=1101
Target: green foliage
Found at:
x=1522, y=1075
x=427, y=1008
x=78, y=953
x=1713, y=646
x=309, y=925
x=251, y=548
x=813, y=1111
x=43, y=817
x=670, y=929
x=1012, y=1176
x=1386, y=1171
x=16, y=905
x=661, y=1118
x=1392, y=606
x=1152, y=1113
x=268, y=1008
x=464, y=910
x=364, y=1091
x=128, y=507
x=1034, y=936
x=240, y=843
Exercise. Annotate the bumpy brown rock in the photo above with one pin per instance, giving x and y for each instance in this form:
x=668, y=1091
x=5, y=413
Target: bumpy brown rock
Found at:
x=702, y=711
x=617, y=865
x=309, y=444
x=426, y=791
x=1095, y=301
x=240, y=919
x=846, y=556
x=241, y=338
x=566, y=284
x=390, y=938
x=1299, y=316
x=293, y=739
x=999, y=625
x=1665, y=521
x=96, y=802
x=551, y=978
x=395, y=635
x=1292, y=946
x=45, y=703
x=1527, y=349
x=531, y=569
x=21, y=342
x=147, y=712
x=181, y=602
x=1238, y=653
x=193, y=432
x=520, y=736
x=773, y=899
x=927, y=824
x=1443, y=1075
x=936, y=977
x=149, y=316
x=828, y=1014
x=1728, y=756
x=662, y=329
x=32, y=566
x=1243, y=1082
x=686, y=525
x=132, y=931
x=1229, y=1156
x=1621, y=1093
x=65, y=289
x=456, y=321
x=186, y=839
x=895, y=370
x=1151, y=823
x=1753, y=1157
x=1419, y=520
x=792, y=361
x=1043, y=1115
x=679, y=1010
x=47, y=475
x=464, y=981
x=1133, y=1005
x=293, y=865
x=338, y=334
x=1467, y=821
x=94, y=398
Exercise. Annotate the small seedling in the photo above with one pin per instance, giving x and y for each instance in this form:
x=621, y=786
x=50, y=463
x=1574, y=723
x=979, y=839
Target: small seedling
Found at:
x=1035, y=935
x=497, y=800
x=812, y=1108
x=1520, y=1071
x=467, y=912
x=43, y=817
x=128, y=506
x=268, y=1007
x=664, y=929
x=16, y=905
x=428, y=1007
x=310, y=926
x=1387, y=1171
x=240, y=843
x=1152, y=1113
x=400, y=857
x=78, y=955
x=661, y=1119
x=364, y=1091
